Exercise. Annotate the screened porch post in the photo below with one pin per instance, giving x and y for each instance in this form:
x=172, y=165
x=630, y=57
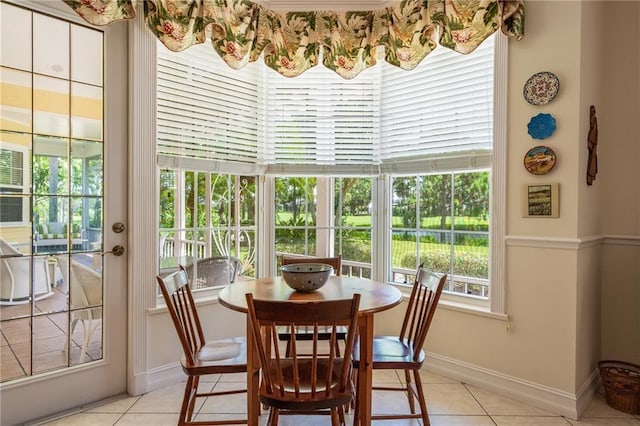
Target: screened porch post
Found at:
x=207, y=215
x=234, y=225
x=324, y=218
x=179, y=219
x=85, y=200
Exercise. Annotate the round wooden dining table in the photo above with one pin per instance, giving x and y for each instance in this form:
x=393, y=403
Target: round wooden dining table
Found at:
x=374, y=297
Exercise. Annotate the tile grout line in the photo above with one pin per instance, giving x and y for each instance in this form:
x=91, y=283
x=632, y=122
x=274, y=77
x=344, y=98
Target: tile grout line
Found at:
x=128, y=409
x=466, y=386
x=14, y=354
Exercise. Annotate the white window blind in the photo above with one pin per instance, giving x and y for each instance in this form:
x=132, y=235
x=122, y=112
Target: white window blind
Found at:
x=442, y=109
x=11, y=172
x=214, y=118
x=206, y=110
x=14, y=169
x=321, y=119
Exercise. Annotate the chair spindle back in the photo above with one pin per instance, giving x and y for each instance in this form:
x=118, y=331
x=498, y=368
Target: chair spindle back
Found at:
x=309, y=378
x=423, y=301
x=177, y=295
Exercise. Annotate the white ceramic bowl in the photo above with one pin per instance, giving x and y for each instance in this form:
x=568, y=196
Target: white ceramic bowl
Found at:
x=306, y=277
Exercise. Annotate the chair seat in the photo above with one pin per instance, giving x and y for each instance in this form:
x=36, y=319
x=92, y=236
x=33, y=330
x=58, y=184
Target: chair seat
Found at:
x=223, y=356
x=336, y=398
x=325, y=397
x=390, y=353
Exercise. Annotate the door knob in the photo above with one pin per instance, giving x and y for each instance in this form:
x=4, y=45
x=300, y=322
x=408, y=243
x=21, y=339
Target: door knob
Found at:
x=116, y=251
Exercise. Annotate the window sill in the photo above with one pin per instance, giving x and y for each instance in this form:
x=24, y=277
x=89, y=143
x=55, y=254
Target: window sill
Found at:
x=473, y=310
x=465, y=308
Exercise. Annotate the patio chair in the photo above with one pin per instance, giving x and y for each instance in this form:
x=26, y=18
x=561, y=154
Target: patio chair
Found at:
x=85, y=299
x=303, y=333
x=213, y=271
x=298, y=384
x=404, y=352
x=200, y=357
x=19, y=275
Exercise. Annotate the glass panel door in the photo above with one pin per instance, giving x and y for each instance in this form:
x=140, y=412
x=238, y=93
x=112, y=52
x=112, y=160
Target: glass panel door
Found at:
x=51, y=263
x=54, y=293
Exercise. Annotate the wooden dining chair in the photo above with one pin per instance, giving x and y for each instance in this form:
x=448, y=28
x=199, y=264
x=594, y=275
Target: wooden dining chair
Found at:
x=405, y=352
x=303, y=333
x=200, y=357
x=299, y=384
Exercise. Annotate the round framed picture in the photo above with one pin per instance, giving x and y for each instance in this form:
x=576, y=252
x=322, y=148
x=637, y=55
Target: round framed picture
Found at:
x=539, y=160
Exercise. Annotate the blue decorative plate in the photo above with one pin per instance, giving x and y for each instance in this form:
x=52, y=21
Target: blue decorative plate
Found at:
x=541, y=88
x=541, y=126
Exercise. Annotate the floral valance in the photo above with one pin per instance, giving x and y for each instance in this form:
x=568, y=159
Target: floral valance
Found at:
x=241, y=31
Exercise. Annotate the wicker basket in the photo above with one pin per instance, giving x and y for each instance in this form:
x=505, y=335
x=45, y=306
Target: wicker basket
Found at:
x=621, y=382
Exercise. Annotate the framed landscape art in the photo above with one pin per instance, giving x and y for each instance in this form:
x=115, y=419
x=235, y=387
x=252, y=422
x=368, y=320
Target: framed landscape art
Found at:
x=540, y=200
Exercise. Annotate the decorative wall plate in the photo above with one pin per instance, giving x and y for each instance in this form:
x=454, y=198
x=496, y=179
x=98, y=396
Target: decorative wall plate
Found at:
x=541, y=88
x=539, y=160
x=541, y=126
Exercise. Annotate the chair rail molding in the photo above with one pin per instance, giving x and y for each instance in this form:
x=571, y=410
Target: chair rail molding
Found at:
x=553, y=242
x=622, y=240
x=571, y=243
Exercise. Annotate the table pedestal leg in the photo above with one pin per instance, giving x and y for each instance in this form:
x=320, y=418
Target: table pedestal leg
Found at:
x=365, y=372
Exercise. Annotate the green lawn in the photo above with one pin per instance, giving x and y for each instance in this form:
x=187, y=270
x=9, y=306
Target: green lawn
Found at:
x=427, y=223
x=470, y=253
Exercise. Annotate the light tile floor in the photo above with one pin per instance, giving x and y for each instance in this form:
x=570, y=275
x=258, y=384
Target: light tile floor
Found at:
x=35, y=344
x=449, y=403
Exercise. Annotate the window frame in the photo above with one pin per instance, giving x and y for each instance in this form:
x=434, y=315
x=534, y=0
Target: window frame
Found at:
x=234, y=227
x=327, y=227
x=473, y=300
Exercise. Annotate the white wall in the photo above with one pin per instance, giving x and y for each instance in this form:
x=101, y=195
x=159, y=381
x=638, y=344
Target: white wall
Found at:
x=592, y=75
x=571, y=299
x=619, y=178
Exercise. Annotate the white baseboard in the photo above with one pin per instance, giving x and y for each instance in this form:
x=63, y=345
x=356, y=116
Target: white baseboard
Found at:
x=587, y=391
x=156, y=378
x=556, y=401
x=544, y=397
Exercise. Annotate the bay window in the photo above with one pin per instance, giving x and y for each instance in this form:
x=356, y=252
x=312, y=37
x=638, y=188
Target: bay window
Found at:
x=390, y=169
